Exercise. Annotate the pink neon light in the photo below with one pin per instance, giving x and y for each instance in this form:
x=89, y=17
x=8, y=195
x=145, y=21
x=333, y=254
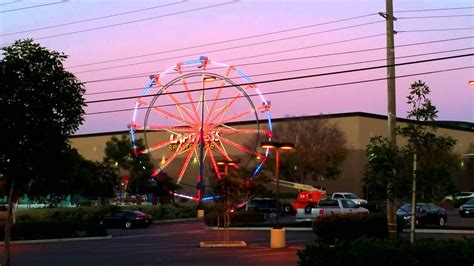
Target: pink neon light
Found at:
x=214, y=164
x=173, y=116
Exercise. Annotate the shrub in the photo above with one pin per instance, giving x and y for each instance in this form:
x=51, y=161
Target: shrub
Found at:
x=236, y=218
x=328, y=229
x=388, y=252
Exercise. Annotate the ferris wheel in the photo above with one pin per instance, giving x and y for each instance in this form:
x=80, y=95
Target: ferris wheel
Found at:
x=199, y=113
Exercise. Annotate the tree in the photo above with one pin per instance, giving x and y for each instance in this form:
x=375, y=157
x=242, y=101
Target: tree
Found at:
x=382, y=158
x=427, y=160
x=320, y=149
x=41, y=105
x=119, y=152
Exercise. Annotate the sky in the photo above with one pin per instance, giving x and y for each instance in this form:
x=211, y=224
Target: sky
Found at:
x=113, y=47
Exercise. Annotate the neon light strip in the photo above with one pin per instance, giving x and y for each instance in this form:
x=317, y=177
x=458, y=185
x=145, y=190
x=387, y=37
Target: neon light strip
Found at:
x=186, y=162
x=247, y=78
x=211, y=197
x=223, y=153
x=221, y=87
x=175, y=153
x=158, y=109
x=236, y=116
x=213, y=161
x=179, y=107
x=192, y=62
x=184, y=196
x=170, y=128
x=244, y=131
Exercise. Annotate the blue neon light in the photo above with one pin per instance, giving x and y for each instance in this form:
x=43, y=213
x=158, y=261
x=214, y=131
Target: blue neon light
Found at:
x=244, y=76
x=269, y=121
x=197, y=61
x=210, y=197
x=147, y=87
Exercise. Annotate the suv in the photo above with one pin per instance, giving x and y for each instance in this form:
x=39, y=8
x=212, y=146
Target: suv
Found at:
x=262, y=205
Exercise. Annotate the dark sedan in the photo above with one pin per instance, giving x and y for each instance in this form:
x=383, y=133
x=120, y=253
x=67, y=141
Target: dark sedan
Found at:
x=127, y=219
x=426, y=213
x=467, y=209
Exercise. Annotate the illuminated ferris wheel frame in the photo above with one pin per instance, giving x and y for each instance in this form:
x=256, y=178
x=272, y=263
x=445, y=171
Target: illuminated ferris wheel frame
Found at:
x=196, y=129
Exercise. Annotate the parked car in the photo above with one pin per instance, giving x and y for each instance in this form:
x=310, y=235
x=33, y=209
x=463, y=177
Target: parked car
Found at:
x=460, y=198
x=328, y=207
x=261, y=205
x=426, y=213
x=127, y=219
x=467, y=209
x=348, y=195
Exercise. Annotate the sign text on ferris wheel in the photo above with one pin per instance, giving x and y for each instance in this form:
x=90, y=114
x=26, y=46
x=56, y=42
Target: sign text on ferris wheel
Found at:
x=177, y=140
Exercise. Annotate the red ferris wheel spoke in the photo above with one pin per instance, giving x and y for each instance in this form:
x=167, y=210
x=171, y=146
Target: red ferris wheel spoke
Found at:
x=162, y=144
x=182, y=120
x=186, y=161
x=213, y=161
x=186, y=88
x=222, y=152
x=224, y=109
x=239, y=115
x=169, y=128
x=219, y=91
x=180, y=108
x=175, y=153
x=240, y=147
x=243, y=131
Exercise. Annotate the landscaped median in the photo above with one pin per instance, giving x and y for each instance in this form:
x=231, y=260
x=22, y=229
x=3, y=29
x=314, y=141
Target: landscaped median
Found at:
x=81, y=222
x=362, y=240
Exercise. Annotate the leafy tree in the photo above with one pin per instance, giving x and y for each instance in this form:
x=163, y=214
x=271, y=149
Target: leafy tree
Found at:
x=320, y=149
x=119, y=152
x=41, y=105
x=382, y=158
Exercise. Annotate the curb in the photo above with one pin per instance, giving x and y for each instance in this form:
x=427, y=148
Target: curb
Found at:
x=176, y=220
x=55, y=240
x=440, y=231
x=223, y=244
x=300, y=229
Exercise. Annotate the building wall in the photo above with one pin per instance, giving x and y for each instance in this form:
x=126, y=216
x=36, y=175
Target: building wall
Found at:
x=357, y=127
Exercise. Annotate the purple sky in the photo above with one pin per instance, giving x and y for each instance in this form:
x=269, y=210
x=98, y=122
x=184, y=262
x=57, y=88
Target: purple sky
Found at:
x=450, y=90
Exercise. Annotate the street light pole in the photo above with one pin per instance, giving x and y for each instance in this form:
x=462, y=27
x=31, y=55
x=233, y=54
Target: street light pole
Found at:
x=277, y=236
x=277, y=151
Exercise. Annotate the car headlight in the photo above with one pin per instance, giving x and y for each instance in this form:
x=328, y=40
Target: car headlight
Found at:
x=406, y=217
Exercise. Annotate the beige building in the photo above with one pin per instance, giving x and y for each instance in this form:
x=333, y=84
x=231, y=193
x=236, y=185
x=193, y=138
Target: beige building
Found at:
x=357, y=127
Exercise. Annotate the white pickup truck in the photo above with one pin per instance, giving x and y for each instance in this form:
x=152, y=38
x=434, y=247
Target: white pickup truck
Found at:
x=328, y=207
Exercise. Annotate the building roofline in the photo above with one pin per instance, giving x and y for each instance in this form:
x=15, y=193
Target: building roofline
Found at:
x=456, y=125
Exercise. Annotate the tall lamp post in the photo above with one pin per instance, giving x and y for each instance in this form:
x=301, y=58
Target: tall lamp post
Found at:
x=200, y=185
x=277, y=237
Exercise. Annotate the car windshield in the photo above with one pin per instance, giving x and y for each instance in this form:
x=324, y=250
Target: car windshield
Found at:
x=470, y=202
x=350, y=196
x=138, y=213
x=407, y=207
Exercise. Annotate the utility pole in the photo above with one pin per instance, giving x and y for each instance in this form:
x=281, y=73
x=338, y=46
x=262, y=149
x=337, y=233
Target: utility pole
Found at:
x=391, y=109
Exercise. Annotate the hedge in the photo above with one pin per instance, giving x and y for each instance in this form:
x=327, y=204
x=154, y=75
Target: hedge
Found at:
x=328, y=229
x=390, y=252
x=42, y=230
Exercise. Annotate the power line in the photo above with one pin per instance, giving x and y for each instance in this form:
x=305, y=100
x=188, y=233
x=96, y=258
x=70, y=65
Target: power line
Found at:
x=93, y=19
x=294, y=78
x=234, y=47
x=429, y=30
x=241, y=46
x=441, y=16
x=303, y=89
x=226, y=41
x=434, y=9
x=129, y=22
x=29, y=7
x=295, y=58
x=311, y=68
x=9, y=3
